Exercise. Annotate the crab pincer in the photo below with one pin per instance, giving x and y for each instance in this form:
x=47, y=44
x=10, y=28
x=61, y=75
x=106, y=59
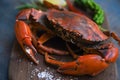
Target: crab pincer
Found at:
x=89, y=64
x=24, y=37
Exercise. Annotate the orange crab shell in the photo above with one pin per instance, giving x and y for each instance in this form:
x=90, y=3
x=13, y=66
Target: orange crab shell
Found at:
x=75, y=27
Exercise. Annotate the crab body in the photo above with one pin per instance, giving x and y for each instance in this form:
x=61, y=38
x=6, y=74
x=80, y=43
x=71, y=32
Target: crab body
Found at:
x=73, y=28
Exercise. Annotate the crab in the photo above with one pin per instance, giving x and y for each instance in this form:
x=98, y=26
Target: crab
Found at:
x=73, y=28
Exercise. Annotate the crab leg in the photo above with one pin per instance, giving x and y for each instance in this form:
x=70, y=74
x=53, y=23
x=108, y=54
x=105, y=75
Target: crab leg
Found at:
x=90, y=64
x=110, y=54
x=44, y=38
x=75, y=56
x=52, y=60
x=24, y=37
x=81, y=66
x=113, y=35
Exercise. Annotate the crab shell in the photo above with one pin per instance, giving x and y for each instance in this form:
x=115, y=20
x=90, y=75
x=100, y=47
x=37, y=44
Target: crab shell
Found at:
x=74, y=28
x=71, y=27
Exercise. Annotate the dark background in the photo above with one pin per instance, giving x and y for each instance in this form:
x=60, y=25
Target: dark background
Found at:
x=7, y=35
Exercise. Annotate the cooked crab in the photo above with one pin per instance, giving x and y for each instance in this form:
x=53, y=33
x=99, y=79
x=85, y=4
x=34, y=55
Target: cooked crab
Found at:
x=73, y=28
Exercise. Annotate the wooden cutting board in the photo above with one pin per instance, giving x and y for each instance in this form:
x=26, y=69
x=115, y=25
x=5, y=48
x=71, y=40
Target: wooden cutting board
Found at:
x=21, y=68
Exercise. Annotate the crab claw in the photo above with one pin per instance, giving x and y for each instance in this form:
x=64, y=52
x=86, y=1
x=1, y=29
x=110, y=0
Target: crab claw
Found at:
x=24, y=37
x=84, y=65
x=89, y=64
x=111, y=54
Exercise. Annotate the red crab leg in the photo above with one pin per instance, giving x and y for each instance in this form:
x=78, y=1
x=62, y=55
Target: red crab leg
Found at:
x=115, y=36
x=112, y=34
x=110, y=54
x=84, y=65
x=52, y=60
x=45, y=37
x=75, y=56
x=90, y=64
x=24, y=37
